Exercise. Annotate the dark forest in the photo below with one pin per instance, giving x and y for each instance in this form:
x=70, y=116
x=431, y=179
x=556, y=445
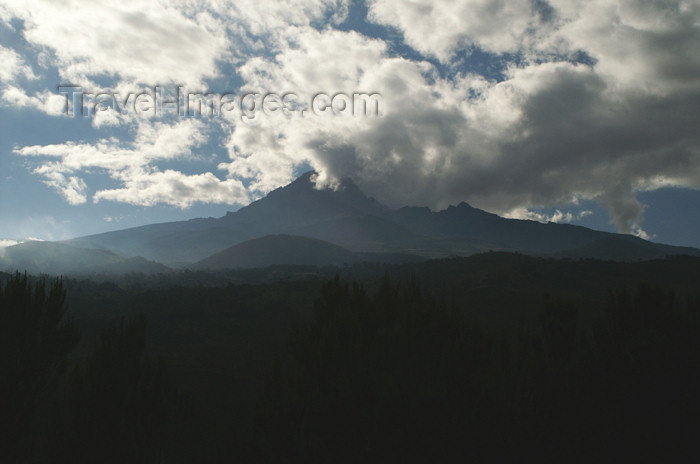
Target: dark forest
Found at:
x=489, y=358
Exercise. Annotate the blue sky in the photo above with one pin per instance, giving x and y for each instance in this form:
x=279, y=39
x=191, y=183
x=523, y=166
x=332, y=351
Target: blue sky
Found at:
x=563, y=110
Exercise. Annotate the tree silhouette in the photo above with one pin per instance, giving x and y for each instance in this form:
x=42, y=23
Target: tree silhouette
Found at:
x=34, y=345
x=116, y=409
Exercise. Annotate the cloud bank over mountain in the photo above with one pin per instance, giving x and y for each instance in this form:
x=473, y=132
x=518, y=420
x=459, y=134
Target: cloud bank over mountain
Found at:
x=507, y=105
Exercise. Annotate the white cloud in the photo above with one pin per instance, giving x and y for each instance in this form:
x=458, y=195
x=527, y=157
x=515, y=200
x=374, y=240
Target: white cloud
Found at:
x=154, y=141
x=4, y=243
x=439, y=27
x=132, y=43
x=429, y=128
x=71, y=187
x=550, y=133
x=174, y=188
x=107, y=117
x=45, y=101
x=557, y=217
x=178, y=41
x=5, y=17
x=650, y=46
x=271, y=17
x=313, y=61
x=149, y=42
x=135, y=167
x=13, y=66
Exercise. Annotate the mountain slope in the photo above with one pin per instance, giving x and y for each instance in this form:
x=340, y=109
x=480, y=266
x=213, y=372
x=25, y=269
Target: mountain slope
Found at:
x=292, y=250
x=278, y=249
x=471, y=228
x=59, y=258
x=346, y=217
x=284, y=210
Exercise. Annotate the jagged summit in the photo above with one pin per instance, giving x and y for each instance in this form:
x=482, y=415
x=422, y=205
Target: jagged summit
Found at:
x=301, y=191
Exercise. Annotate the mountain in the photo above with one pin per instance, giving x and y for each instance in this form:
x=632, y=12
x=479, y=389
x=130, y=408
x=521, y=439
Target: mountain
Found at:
x=346, y=217
x=466, y=230
x=277, y=249
x=292, y=250
x=59, y=258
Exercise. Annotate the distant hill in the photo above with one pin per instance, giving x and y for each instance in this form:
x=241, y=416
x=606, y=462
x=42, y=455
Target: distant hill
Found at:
x=624, y=248
x=292, y=250
x=59, y=258
x=346, y=217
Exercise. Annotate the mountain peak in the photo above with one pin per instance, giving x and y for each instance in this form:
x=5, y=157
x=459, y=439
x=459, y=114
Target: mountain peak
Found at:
x=307, y=182
x=302, y=192
x=300, y=202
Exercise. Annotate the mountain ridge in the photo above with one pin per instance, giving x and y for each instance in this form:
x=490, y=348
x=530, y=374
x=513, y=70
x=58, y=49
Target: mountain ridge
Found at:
x=59, y=258
x=346, y=217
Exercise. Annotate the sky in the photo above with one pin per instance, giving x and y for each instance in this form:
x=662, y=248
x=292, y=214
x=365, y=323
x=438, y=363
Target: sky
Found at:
x=118, y=114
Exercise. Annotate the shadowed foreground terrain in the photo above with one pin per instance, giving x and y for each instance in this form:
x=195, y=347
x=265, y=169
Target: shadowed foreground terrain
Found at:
x=496, y=356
